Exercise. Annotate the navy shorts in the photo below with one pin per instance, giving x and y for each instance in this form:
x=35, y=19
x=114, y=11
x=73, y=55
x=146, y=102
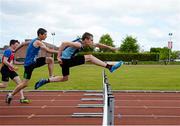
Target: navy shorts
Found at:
x=29, y=69
x=67, y=63
x=7, y=73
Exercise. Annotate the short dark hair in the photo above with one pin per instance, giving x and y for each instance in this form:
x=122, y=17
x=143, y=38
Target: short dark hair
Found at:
x=12, y=42
x=86, y=35
x=41, y=31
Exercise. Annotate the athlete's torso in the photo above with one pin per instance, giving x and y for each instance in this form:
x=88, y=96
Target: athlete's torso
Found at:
x=31, y=53
x=69, y=52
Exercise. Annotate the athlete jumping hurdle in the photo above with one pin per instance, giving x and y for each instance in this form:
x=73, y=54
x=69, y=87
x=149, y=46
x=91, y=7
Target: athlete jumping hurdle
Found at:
x=67, y=58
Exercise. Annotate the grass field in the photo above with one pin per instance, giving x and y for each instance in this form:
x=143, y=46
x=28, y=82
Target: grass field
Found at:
x=128, y=77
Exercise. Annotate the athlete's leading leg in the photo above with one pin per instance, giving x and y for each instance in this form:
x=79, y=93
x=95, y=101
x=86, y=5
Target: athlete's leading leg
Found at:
x=94, y=60
x=98, y=62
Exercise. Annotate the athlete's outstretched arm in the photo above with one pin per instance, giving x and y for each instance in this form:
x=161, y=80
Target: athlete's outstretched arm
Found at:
x=99, y=45
x=44, y=47
x=21, y=45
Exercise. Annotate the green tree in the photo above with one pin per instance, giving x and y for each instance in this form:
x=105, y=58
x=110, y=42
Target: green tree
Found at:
x=175, y=54
x=107, y=40
x=163, y=52
x=129, y=45
x=155, y=50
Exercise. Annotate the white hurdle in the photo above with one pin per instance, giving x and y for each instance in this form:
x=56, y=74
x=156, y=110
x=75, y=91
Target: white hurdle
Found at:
x=108, y=109
x=107, y=106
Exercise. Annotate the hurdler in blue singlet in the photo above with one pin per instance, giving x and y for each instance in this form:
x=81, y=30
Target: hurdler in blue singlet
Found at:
x=31, y=53
x=69, y=52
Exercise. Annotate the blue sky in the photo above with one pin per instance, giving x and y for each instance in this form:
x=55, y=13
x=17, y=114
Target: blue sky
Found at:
x=150, y=21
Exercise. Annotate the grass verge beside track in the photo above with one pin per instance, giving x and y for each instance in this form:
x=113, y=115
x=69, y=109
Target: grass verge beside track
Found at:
x=128, y=77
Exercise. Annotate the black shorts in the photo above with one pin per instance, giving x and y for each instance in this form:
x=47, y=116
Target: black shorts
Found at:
x=6, y=73
x=74, y=61
x=29, y=69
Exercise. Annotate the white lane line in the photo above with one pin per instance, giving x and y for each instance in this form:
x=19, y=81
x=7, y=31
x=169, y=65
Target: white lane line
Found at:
x=14, y=107
x=159, y=100
x=32, y=115
x=149, y=116
x=149, y=107
x=72, y=95
x=45, y=100
x=48, y=95
x=143, y=125
x=117, y=116
x=155, y=100
x=149, y=95
x=120, y=107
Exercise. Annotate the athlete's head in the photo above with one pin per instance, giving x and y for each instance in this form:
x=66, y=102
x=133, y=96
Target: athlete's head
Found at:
x=87, y=38
x=14, y=44
x=42, y=33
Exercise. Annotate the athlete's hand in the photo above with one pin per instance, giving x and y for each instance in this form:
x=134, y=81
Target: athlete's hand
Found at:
x=59, y=61
x=15, y=68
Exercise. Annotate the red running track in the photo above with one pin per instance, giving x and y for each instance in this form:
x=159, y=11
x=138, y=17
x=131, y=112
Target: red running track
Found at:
x=57, y=108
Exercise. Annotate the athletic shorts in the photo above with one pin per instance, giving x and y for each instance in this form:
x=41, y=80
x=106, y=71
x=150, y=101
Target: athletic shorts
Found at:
x=29, y=69
x=7, y=73
x=67, y=63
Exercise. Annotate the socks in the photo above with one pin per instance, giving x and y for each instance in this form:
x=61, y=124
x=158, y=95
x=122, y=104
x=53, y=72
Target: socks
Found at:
x=108, y=66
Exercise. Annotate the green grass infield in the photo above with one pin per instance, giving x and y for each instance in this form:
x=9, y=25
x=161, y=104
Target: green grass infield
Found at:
x=128, y=77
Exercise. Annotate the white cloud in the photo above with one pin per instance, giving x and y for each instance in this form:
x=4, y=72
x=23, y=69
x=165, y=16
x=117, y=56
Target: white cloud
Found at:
x=134, y=21
x=156, y=33
x=148, y=20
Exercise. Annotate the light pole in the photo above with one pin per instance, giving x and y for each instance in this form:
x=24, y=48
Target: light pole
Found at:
x=170, y=45
x=53, y=34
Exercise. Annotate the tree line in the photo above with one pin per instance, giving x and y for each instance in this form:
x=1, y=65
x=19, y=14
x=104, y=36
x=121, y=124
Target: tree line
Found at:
x=130, y=45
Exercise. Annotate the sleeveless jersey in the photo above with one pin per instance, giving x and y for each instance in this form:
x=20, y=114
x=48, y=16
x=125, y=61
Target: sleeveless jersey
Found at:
x=69, y=52
x=31, y=53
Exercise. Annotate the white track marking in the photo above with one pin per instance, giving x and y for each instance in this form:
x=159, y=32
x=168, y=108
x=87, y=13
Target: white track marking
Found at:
x=32, y=115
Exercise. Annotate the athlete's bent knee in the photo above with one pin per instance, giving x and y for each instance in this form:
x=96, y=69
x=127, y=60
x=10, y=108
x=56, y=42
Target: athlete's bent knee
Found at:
x=49, y=60
x=88, y=57
x=3, y=86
